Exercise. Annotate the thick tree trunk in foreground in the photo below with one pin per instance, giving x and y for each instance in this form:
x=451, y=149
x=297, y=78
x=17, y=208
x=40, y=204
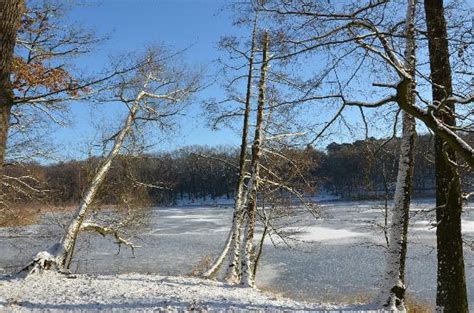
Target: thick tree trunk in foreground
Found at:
x=393, y=290
x=248, y=260
x=451, y=288
x=10, y=17
x=56, y=256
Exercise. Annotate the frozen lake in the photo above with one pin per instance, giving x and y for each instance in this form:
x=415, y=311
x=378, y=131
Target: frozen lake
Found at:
x=339, y=256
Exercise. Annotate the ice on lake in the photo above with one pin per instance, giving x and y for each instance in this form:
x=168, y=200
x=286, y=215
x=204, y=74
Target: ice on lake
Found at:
x=336, y=257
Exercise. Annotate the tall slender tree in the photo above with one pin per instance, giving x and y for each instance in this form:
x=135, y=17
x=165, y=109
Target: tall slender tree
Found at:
x=232, y=246
x=248, y=260
x=234, y=256
x=393, y=288
x=451, y=293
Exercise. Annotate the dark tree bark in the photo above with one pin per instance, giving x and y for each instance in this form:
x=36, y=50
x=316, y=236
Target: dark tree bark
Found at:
x=451, y=288
x=10, y=16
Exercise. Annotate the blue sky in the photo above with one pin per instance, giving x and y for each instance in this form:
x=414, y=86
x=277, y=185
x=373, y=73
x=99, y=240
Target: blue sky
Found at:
x=134, y=24
x=178, y=24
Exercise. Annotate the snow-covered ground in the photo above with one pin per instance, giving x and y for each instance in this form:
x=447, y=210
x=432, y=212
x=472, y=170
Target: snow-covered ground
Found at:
x=337, y=258
x=139, y=292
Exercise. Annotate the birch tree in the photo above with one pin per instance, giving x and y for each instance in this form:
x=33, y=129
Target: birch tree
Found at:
x=248, y=260
x=232, y=247
x=155, y=92
x=393, y=288
x=232, y=273
x=364, y=26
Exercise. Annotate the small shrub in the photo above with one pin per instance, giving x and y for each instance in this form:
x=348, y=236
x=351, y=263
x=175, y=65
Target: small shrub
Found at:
x=201, y=266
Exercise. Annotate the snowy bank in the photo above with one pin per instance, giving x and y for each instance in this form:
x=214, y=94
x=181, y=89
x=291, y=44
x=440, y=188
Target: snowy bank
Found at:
x=138, y=292
x=132, y=292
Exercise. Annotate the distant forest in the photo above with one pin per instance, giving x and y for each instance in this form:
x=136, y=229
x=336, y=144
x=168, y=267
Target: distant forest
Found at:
x=364, y=169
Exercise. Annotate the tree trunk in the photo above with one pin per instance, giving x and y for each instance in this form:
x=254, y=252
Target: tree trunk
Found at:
x=248, y=278
x=393, y=288
x=5, y=112
x=451, y=293
x=233, y=272
x=57, y=256
x=233, y=242
x=10, y=17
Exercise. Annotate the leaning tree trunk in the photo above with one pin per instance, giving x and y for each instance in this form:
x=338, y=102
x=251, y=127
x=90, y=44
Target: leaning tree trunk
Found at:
x=393, y=288
x=10, y=17
x=232, y=245
x=451, y=293
x=55, y=258
x=248, y=260
x=233, y=272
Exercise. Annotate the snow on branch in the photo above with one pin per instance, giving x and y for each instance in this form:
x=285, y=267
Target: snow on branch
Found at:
x=461, y=100
x=104, y=231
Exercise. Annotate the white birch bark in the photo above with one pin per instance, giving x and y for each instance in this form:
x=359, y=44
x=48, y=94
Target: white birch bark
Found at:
x=393, y=287
x=233, y=269
x=247, y=279
x=55, y=257
x=234, y=240
x=392, y=294
x=248, y=260
x=232, y=246
x=213, y=269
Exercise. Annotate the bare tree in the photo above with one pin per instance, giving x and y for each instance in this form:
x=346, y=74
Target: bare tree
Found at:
x=234, y=257
x=393, y=288
x=232, y=246
x=10, y=15
x=241, y=255
x=366, y=27
x=319, y=26
x=150, y=96
x=43, y=81
x=248, y=260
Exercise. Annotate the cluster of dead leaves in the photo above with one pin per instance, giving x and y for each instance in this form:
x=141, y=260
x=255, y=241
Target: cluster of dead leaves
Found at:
x=33, y=75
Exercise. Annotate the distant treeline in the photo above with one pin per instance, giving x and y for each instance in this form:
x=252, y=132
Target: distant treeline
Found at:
x=359, y=170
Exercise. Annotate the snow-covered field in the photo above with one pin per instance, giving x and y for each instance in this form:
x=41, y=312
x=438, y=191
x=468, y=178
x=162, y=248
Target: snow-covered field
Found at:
x=337, y=258
x=138, y=292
